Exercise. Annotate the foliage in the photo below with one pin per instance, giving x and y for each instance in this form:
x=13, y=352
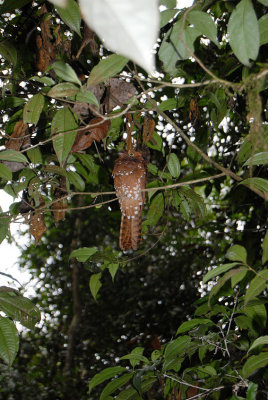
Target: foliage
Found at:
x=199, y=123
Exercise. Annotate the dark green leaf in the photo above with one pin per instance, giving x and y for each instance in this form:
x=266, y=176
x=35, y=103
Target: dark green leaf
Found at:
x=12, y=155
x=76, y=180
x=189, y=325
x=258, y=342
x=263, y=28
x=86, y=96
x=4, y=226
x=84, y=253
x=71, y=15
x=254, y=363
x=5, y=172
x=19, y=308
x=11, y=5
x=65, y=72
x=33, y=108
x=243, y=32
x=131, y=393
x=166, y=16
x=106, y=69
x=64, y=89
x=237, y=253
x=257, y=285
x=264, y=246
x=65, y=125
x=173, y=164
x=113, y=269
x=35, y=155
x=95, y=284
x=218, y=270
x=156, y=210
x=252, y=391
x=103, y=375
x=259, y=158
x=9, y=340
x=257, y=183
x=8, y=51
x=223, y=280
x=204, y=23
x=111, y=387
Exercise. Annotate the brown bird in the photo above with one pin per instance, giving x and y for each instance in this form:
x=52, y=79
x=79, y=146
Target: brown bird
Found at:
x=130, y=171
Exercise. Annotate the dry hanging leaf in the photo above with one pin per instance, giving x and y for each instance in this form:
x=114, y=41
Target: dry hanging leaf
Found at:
x=118, y=93
x=19, y=138
x=85, y=137
x=60, y=206
x=37, y=225
x=88, y=39
x=148, y=129
x=46, y=53
x=194, y=114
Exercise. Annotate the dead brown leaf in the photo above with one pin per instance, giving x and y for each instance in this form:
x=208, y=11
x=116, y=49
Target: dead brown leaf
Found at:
x=85, y=138
x=37, y=225
x=194, y=114
x=148, y=129
x=46, y=49
x=60, y=206
x=19, y=138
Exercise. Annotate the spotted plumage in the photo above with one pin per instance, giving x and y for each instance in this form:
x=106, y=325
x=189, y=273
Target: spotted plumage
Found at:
x=130, y=171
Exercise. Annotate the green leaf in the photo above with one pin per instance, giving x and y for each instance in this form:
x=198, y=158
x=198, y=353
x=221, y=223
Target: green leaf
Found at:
x=95, y=284
x=257, y=285
x=238, y=277
x=254, y=363
x=5, y=172
x=71, y=15
x=174, y=352
x=206, y=370
x=171, y=104
x=131, y=393
x=257, y=183
x=12, y=155
x=156, y=354
x=257, y=312
x=173, y=48
x=106, y=373
x=166, y=16
x=8, y=52
x=33, y=108
x=243, y=32
x=65, y=72
x=63, y=122
x=86, y=96
x=156, y=143
x=264, y=246
x=135, y=357
x=9, y=340
x=156, y=210
x=106, y=69
x=237, y=253
x=263, y=29
x=35, y=155
x=223, y=280
x=113, y=269
x=4, y=226
x=252, y=391
x=259, y=158
x=19, y=307
x=84, y=253
x=11, y=5
x=217, y=271
x=111, y=387
x=264, y=2
x=43, y=79
x=76, y=180
x=204, y=23
x=189, y=325
x=173, y=164
x=169, y=3
x=258, y=342
x=64, y=89
x=196, y=202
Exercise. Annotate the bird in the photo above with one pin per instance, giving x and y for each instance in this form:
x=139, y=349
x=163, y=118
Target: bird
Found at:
x=130, y=173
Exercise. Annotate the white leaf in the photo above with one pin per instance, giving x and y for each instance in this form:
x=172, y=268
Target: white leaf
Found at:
x=59, y=3
x=127, y=27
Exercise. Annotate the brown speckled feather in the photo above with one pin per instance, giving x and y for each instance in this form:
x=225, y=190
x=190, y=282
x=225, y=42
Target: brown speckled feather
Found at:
x=129, y=174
